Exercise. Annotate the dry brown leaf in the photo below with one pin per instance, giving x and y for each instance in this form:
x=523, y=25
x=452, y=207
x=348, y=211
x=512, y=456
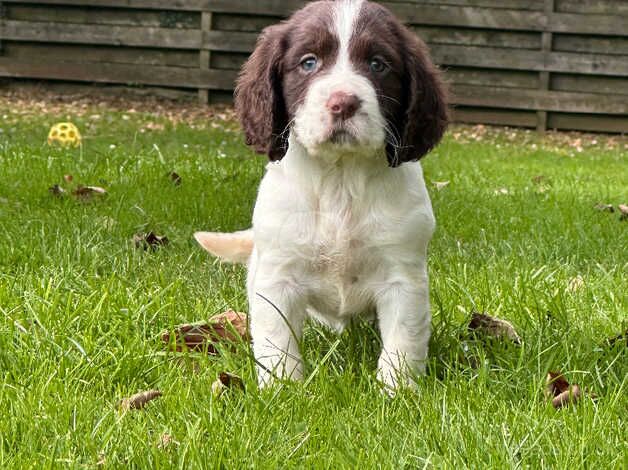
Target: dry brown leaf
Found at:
x=149, y=240
x=620, y=338
x=165, y=440
x=575, y=283
x=139, y=400
x=538, y=179
x=56, y=190
x=440, y=184
x=227, y=327
x=87, y=192
x=226, y=381
x=175, y=178
x=604, y=207
x=559, y=391
x=495, y=327
x=623, y=210
x=68, y=178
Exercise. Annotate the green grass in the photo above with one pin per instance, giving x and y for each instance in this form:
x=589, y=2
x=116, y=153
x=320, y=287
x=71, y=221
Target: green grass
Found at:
x=81, y=310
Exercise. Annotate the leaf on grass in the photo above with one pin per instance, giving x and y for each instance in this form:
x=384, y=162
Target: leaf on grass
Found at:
x=501, y=191
x=440, y=184
x=559, y=391
x=175, y=178
x=538, y=179
x=227, y=327
x=56, y=190
x=623, y=211
x=494, y=327
x=149, y=240
x=68, y=178
x=604, y=207
x=620, y=338
x=165, y=440
x=139, y=400
x=88, y=192
x=226, y=381
x=575, y=283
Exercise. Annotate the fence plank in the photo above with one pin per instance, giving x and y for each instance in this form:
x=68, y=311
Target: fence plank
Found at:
x=587, y=122
x=499, y=117
x=110, y=54
x=113, y=16
x=612, y=45
x=478, y=37
x=548, y=100
x=491, y=57
x=604, y=7
x=118, y=73
x=101, y=34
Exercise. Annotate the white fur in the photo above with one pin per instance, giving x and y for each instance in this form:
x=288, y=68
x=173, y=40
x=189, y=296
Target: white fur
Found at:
x=337, y=233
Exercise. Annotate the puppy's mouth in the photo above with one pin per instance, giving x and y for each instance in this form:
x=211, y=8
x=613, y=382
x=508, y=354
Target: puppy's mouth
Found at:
x=340, y=135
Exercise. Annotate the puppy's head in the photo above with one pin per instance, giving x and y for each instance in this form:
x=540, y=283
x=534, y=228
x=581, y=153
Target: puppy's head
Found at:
x=342, y=75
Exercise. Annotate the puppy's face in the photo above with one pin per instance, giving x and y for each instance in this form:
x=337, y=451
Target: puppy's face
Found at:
x=342, y=75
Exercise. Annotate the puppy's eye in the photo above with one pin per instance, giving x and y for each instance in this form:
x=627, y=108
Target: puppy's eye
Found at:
x=377, y=65
x=309, y=63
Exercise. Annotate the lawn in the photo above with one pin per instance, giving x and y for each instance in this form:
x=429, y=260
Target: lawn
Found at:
x=82, y=309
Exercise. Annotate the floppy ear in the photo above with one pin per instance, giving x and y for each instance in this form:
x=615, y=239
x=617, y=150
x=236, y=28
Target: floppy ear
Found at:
x=259, y=98
x=424, y=120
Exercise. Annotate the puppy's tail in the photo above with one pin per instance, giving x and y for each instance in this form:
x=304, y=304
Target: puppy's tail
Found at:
x=233, y=247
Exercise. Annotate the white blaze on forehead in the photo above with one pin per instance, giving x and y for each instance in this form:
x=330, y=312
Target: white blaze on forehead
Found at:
x=346, y=13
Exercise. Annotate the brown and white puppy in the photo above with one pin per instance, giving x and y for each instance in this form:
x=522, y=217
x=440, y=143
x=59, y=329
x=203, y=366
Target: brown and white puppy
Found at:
x=344, y=100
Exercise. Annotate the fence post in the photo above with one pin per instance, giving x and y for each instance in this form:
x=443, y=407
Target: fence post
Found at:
x=204, y=54
x=544, y=76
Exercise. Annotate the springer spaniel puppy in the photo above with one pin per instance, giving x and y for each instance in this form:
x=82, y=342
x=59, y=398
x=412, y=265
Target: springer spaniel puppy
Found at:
x=344, y=100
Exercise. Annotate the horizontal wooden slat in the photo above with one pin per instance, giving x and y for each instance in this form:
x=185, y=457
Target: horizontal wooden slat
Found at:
x=119, y=73
x=529, y=60
x=604, y=7
x=612, y=45
x=227, y=60
x=497, y=97
x=101, y=34
x=589, y=84
x=469, y=17
x=536, y=5
x=243, y=23
x=500, y=117
x=112, y=16
x=478, y=37
x=587, y=122
x=490, y=77
x=587, y=24
x=108, y=54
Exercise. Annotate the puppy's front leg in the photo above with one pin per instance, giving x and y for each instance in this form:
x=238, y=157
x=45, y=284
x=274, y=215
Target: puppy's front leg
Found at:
x=403, y=314
x=277, y=315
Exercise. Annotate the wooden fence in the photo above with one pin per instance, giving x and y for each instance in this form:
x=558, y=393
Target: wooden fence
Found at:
x=536, y=63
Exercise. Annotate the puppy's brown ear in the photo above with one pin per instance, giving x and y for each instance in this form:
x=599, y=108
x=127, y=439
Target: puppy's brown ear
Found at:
x=424, y=120
x=258, y=96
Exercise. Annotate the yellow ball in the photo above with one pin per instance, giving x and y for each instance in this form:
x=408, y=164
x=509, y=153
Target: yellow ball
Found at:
x=64, y=133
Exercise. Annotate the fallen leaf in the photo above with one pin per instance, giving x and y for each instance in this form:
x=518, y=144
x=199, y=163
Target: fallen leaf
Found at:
x=620, y=338
x=575, y=283
x=139, y=400
x=494, y=327
x=175, y=178
x=559, y=391
x=68, y=178
x=501, y=191
x=149, y=240
x=604, y=207
x=165, y=440
x=226, y=381
x=87, y=192
x=440, y=184
x=56, y=190
x=623, y=210
x=229, y=326
x=538, y=179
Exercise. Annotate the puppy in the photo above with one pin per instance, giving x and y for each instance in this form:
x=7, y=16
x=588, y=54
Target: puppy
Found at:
x=344, y=100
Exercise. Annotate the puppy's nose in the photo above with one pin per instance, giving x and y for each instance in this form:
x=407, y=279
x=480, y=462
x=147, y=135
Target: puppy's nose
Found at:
x=343, y=105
